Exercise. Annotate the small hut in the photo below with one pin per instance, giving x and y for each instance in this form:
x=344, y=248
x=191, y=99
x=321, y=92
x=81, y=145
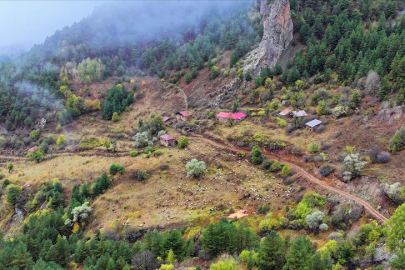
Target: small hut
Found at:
x=182, y=116
x=312, y=124
x=299, y=113
x=167, y=140
x=285, y=112
x=166, y=118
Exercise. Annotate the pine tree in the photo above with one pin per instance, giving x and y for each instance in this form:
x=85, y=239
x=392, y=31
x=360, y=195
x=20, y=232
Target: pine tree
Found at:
x=256, y=155
x=21, y=257
x=271, y=252
x=300, y=255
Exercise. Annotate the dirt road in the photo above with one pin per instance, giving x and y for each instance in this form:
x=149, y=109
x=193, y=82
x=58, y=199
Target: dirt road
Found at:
x=311, y=178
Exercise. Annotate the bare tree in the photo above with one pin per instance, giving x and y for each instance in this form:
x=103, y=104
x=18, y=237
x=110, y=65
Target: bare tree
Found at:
x=373, y=83
x=145, y=260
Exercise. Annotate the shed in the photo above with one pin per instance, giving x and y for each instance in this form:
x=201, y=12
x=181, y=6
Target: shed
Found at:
x=311, y=124
x=166, y=118
x=285, y=112
x=299, y=113
x=182, y=115
x=167, y=140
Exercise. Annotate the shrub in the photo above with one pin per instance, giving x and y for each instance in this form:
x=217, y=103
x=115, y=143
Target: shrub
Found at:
x=61, y=140
x=286, y=171
x=325, y=170
x=36, y=155
x=313, y=147
x=34, y=135
x=241, y=154
x=140, y=175
x=263, y=209
x=195, y=168
x=148, y=150
x=383, y=157
x=158, y=153
x=183, y=142
x=275, y=167
x=5, y=183
x=318, y=158
x=187, y=78
x=281, y=122
x=266, y=164
x=115, y=117
x=116, y=168
x=2, y=175
x=58, y=128
x=102, y=183
x=133, y=153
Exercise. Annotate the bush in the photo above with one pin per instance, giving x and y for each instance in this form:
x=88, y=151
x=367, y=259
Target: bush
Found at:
x=2, y=175
x=183, y=142
x=5, y=183
x=318, y=158
x=115, y=117
x=157, y=153
x=383, y=157
x=286, y=171
x=102, y=183
x=34, y=135
x=281, y=122
x=61, y=140
x=275, y=167
x=140, y=175
x=148, y=150
x=263, y=209
x=266, y=164
x=313, y=147
x=133, y=153
x=325, y=170
x=195, y=168
x=116, y=168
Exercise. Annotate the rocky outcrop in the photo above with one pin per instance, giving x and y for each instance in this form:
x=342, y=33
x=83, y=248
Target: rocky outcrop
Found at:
x=277, y=35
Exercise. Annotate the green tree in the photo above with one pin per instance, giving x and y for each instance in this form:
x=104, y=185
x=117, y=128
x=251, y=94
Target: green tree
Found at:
x=175, y=242
x=397, y=142
x=13, y=193
x=256, y=155
x=300, y=255
x=102, y=183
x=21, y=259
x=195, y=168
x=356, y=98
x=58, y=128
x=194, y=72
x=228, y=264
x=396, y=233
x=272, y=252
x=248, y=76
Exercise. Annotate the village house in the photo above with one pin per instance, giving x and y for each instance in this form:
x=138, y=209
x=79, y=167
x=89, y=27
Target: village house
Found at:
x=312, y=124
x=286, y=112
x=167, y=140
x=182, y=116
x=224, y=116
x=166, y=118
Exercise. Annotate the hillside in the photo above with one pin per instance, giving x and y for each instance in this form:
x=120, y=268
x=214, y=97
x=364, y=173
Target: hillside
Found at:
x=288, y=136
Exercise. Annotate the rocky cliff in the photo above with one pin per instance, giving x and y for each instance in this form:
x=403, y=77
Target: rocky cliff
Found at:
x=277, y=35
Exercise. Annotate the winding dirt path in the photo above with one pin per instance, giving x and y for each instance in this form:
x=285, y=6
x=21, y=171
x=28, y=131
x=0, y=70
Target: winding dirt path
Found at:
x=302, y=172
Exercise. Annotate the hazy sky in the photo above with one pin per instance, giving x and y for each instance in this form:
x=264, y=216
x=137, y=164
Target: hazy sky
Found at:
x=25, y=23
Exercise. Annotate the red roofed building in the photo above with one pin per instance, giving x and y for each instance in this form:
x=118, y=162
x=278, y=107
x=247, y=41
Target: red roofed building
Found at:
x=167, y=140
x=33, y=148
x=285, y=112
x=166, y=118
x=224, y=116
x=182, y=116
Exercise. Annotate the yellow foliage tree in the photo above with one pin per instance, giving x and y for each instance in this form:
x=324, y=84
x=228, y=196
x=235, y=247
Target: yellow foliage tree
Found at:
x=76, y=227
